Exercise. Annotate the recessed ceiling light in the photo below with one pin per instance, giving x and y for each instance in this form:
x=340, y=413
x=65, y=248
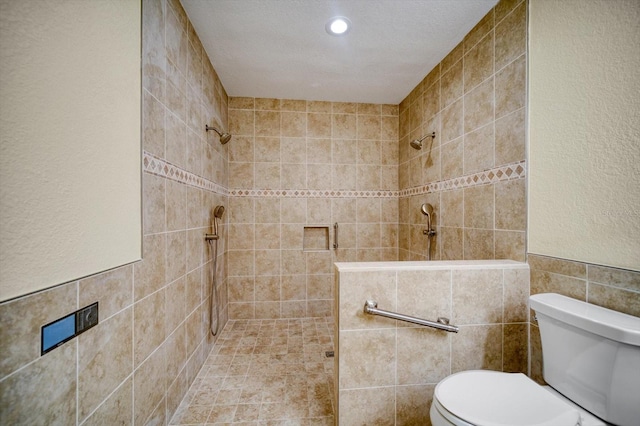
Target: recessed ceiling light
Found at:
x=338, y=25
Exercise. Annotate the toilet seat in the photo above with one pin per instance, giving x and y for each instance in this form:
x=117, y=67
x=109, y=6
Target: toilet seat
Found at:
x=491, y=398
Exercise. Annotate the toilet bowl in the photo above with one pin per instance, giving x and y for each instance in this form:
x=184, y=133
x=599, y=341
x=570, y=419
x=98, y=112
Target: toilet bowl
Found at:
x=591, y=361
x=491, y=398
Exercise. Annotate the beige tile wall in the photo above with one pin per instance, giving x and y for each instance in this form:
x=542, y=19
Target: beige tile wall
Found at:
x=297, y=163
x=475, y=102
x=387, y=370
x=306, y=163
x=136, y=365
x=612, y=288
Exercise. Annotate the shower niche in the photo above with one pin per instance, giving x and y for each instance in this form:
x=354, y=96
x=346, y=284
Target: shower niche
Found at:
x=315, y=238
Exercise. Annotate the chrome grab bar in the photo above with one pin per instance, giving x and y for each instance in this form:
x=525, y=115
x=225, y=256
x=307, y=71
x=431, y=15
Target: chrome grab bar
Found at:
x=371, y=308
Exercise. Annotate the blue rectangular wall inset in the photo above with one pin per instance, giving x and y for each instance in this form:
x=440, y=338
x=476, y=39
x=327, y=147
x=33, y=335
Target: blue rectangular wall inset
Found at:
x=58, y=332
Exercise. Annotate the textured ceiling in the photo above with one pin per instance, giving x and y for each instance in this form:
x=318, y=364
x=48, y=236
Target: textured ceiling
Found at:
x=280, y=49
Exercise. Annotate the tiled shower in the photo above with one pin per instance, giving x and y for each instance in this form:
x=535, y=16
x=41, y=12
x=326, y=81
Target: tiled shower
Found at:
x=296, y=166
x=473, y=170
x=308, y=163
x=291, y=164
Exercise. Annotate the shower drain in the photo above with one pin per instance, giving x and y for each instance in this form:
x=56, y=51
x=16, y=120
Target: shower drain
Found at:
x=328, y=354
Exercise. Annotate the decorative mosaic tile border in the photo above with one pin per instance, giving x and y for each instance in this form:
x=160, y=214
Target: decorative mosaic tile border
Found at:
x=311, y=193
x=502, y=173
x=156, y=166
x=507, y=172
x=159, y=167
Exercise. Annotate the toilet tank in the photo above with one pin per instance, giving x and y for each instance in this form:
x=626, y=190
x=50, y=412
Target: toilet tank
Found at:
x=591, y=355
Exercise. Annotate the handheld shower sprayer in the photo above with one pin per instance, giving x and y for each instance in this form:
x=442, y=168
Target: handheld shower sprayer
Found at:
x=212, y=239
x=427, y=210
x=217, y=215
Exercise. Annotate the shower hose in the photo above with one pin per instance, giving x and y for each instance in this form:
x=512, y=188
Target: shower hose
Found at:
x=213, y=299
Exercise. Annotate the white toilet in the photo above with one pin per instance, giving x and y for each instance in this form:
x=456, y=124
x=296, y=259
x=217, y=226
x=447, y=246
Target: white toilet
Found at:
x=591, y=360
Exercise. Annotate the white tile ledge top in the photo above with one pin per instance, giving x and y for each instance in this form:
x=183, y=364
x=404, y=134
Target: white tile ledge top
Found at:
x=429, y=265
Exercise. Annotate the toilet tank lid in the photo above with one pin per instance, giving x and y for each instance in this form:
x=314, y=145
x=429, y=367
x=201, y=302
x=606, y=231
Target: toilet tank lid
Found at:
x=595, y=319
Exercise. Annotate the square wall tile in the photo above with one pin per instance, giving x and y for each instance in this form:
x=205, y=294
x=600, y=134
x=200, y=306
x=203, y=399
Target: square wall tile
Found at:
x=424, y=294
x=355, y=288
x=477, y=347
x=367, y=406
x=44, y=392
x=477, y=296
x=424, y=355
x=413, y=403
x=105, y=360
x=367, y=358
x=22, y=319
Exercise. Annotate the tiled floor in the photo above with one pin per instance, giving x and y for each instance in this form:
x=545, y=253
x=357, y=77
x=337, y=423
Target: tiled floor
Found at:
x=264, y=372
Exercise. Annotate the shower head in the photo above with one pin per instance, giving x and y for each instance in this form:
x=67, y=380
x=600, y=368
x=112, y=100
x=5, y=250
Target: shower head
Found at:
x=224, y=136
x=218, y=212
x=417, y=143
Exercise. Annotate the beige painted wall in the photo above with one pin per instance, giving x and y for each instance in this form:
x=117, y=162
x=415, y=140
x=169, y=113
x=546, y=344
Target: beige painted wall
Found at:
x=584, y=131
x=70, y=155
x=138, y=363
